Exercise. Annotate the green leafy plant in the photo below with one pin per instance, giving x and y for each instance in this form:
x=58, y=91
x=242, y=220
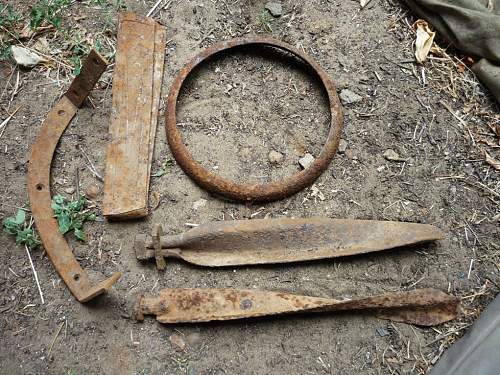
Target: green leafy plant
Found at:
x=164, y=167
x=76, y=61
x=9, y=17
x=4, y=52
x=47, y=11
x=24, y=233
x=71, y=215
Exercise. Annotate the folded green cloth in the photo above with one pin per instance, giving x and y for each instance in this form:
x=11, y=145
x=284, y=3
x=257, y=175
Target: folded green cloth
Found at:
x=473, y=27
x=477, y=352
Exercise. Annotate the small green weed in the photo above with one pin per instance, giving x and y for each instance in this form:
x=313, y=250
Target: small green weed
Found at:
x=46, y=11
x=24, y=232
x=264, y=20
x=79, y=48
x=9, y=17
x=4, y=52
x=71, y=215
x=163, y=170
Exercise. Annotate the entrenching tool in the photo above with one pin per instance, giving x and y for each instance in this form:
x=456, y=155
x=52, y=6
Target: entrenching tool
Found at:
x=425, y=307
x=264, y=241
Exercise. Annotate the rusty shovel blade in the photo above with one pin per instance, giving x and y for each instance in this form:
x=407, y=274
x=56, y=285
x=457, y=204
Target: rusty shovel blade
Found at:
x=425, y=307
x=264, y=241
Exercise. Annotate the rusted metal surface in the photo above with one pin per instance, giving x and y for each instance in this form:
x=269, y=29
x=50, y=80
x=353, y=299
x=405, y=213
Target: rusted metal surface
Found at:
x=137, y=80
x=253, y=192
x=42, y=152
x=244, y=242
x=426, y=307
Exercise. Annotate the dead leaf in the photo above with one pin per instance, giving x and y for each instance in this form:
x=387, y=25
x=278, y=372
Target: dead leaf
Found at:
x=489, y=142
x=42, y=46
x=27, y=32
x=492, y=161
x=199, y=203
x=317, y=193
x=155, y=201
x=425, y=39
x=364, y=3
x=177, y=341
x=392, y=155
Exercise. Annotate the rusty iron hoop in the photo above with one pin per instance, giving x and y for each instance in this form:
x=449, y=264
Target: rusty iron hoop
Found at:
x=252, y=192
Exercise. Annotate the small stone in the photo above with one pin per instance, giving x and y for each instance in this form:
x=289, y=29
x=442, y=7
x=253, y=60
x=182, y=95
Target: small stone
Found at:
x=245, y=152
x=69, y=190
x=381, y=168
x=193, y=339
x=275, y=157
x=342, y=146
x=349, y=154
x=92, y=192
x=391, y=155
x=25, y=57
x=306, y=160
x=349, y=97
x=177, y=341
x=275, y=8
x=199, y=203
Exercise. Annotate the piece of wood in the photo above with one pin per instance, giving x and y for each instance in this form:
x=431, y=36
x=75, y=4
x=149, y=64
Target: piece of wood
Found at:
x=137, y=83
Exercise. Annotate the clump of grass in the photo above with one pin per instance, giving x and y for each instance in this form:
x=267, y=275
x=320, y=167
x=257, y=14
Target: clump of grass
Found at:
x=164, y=167
x=71, y=215
x=47, y=12
x=9, y=19
x=23, y=231
x=264, y=20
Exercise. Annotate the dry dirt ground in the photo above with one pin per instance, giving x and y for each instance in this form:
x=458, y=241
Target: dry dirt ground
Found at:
x=234, y=112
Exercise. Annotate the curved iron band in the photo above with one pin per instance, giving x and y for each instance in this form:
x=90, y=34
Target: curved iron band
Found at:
x=42, y=152
x=253, y=192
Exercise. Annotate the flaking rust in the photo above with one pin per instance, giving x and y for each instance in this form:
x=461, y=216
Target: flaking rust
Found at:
x=265, y=241
x=253, y=192
x=425, y=307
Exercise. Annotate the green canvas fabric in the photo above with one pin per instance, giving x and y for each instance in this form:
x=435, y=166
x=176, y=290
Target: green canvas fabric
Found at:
x=477, y=352
x=473, y=27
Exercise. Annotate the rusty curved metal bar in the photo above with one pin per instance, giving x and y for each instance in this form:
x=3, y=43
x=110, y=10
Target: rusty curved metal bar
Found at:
x=426, y=307
x=253, y=192
x=42, y=153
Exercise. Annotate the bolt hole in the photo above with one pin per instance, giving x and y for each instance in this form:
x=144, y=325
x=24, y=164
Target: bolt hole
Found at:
x=76, y=276
x=61, y=112
x=39, y=187
x=96, y=61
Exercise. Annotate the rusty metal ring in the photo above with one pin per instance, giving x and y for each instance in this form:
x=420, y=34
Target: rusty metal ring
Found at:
x=252, y=192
